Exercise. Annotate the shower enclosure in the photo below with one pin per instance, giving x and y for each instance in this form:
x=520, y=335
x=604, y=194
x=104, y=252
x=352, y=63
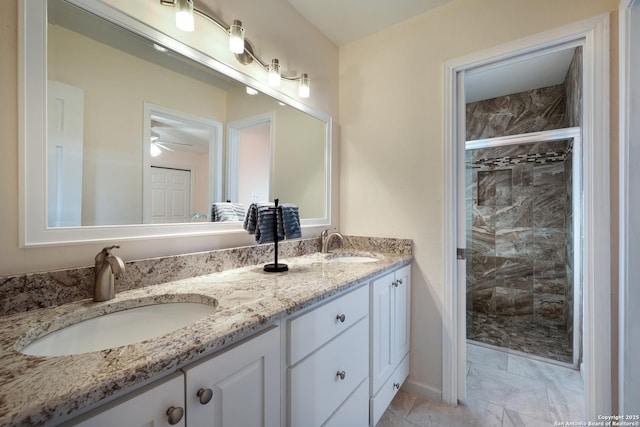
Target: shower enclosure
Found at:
x=522, y=198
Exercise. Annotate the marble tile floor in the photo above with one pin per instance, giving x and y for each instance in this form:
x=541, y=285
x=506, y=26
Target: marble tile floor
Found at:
x=503, y=390
x=521, y=333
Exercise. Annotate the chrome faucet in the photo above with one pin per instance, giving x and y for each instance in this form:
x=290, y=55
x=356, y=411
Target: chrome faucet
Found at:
x=326, y=237
x=108, y=266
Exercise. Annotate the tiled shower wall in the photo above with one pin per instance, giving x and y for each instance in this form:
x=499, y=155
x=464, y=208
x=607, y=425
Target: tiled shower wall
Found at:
x=516, y=264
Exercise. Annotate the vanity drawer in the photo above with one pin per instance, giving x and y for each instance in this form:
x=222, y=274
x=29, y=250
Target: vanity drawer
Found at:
x=311, y=330
x=380, y=402
x=316, y=390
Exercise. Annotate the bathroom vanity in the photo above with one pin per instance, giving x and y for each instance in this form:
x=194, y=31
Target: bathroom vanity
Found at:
x=324, y=344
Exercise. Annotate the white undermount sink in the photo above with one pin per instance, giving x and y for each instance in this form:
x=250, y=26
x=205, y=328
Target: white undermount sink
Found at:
x=354, y=259
x=119, y=328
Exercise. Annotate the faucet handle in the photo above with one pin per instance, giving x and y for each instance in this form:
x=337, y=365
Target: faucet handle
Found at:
x=105, y=252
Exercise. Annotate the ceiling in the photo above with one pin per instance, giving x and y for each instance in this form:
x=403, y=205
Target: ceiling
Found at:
x=345, y=21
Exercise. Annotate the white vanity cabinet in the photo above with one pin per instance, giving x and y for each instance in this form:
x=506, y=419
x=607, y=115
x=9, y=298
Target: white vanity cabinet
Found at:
x=390, y=340
x=159, y=404
x=237, y=387
x=328, y=359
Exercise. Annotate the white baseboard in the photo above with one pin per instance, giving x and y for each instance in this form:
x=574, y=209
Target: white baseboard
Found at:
x=422, y=390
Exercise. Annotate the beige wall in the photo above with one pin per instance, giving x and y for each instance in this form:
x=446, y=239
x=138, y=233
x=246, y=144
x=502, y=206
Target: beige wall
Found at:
x=308, y=51
x=391, y=86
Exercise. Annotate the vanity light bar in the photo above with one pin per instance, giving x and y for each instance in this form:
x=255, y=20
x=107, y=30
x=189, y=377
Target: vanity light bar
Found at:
x=185, y=21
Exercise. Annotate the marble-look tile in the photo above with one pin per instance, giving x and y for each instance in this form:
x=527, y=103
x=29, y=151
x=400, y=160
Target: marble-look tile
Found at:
x=483, y=241
x=483, y=300
x=514, y=242
x=514, y=273
x=513, y=301
x=548, y=244
x=513, y=418
x=549, y=205
x=486, y=188
x=486, y=357
x=511, y=391
x=483, y=272
x=428, y=413
x=559, y=376
x=549, y=308
x=549, y=174
x=524, y=112
x=518, y=215
x=402, y=403
x=389, y=419
x=549, y=277
x=480, y=413
x=566, y=404
x=521, y=177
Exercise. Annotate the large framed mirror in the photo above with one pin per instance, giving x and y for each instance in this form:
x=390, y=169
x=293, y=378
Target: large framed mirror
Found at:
x=128, y=132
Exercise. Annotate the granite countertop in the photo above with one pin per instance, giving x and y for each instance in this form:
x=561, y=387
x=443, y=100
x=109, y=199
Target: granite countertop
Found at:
x=38, y=390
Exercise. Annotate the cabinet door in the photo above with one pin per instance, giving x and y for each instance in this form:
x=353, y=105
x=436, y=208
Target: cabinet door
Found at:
x=401, y=313
x=145, y=407
x=243, y=382
x=381, y=329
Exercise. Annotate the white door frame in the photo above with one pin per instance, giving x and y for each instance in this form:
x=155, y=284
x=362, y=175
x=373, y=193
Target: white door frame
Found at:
x=215, y=154
x=593, y=35
x=233, y=150
x=629, y=231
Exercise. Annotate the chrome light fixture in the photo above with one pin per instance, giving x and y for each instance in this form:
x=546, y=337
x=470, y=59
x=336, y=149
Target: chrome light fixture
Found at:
x=303, y=86
x=242, y=49
x=274, y=73
x=184, y=15
x=236, y=37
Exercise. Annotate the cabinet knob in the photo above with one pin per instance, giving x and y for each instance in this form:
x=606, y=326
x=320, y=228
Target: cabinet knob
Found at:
x=205, y=395
x=175, y=414
x=399, y=281
x=341, y=374
x=341, y=317
x=396, y=386
x=394, y=284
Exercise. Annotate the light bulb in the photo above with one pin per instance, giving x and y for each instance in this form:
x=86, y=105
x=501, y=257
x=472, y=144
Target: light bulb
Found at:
x=274, y=73
x=154, y=150
x=303, y=88
x=184, y=15
x=236, y=37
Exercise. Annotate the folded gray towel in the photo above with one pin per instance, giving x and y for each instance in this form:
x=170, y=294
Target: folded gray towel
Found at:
x=260, y=217
x=291, y=221
x=226, y=211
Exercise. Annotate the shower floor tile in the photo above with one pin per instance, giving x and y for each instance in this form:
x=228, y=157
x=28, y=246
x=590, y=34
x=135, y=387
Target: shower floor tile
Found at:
x=520, y=333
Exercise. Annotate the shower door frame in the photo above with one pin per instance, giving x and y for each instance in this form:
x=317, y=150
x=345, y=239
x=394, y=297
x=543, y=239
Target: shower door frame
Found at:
x=593, y=34
x=572, y=134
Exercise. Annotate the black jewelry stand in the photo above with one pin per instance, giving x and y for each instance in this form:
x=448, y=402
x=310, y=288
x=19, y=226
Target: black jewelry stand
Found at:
x=275, y=267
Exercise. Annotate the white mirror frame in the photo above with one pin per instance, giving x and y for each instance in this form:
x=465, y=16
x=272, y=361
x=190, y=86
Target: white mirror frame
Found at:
x=32, y=114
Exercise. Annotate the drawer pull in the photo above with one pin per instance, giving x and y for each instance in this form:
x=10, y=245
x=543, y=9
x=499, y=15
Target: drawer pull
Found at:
x=341, y=374
x=396, y=386
x=341, y=317
x=175, y=414
x=205, y=395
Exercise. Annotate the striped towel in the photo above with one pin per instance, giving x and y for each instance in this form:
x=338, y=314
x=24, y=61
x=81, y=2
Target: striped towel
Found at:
x=290, y=221
x=260, y=217
x=224, y=212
